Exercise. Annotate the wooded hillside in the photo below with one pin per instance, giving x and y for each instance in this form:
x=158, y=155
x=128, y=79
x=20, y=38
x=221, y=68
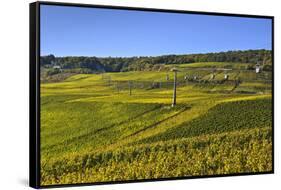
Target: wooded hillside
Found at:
x=83, y=64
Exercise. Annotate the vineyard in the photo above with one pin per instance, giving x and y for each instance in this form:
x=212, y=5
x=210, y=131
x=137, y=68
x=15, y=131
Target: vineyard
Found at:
x=121, y=126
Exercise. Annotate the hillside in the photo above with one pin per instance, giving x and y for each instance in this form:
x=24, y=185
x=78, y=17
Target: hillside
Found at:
x=120, y=125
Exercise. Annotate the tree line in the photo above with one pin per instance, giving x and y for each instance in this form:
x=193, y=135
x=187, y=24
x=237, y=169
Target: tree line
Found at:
x=85, y=64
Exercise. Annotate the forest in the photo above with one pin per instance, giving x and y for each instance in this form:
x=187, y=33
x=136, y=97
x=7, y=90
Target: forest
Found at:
x=87, y=65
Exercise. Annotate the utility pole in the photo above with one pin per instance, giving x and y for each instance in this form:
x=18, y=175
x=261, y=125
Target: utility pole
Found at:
x=109, y=80
x=167, y=77
x=175, y=86
x=117, y=86
x=130, y=88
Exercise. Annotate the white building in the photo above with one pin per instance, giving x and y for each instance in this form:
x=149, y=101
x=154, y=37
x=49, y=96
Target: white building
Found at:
x=226, y=76
x=258, y=68
x=57, y=67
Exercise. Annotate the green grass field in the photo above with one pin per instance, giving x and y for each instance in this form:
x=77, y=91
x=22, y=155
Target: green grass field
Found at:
x=94, y=130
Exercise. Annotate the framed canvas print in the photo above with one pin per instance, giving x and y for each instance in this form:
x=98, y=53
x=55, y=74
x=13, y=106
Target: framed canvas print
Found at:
x=122, y=94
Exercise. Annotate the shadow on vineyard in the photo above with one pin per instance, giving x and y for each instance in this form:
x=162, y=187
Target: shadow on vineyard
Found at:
x=222, y=118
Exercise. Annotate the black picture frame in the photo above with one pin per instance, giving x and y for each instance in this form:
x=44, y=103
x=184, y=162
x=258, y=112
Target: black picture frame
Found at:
x=34, y=90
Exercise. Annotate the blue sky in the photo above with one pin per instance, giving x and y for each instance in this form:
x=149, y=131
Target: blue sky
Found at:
x=77, y=31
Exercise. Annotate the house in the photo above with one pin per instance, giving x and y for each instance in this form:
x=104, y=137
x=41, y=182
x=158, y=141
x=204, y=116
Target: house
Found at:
x=57, y=67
